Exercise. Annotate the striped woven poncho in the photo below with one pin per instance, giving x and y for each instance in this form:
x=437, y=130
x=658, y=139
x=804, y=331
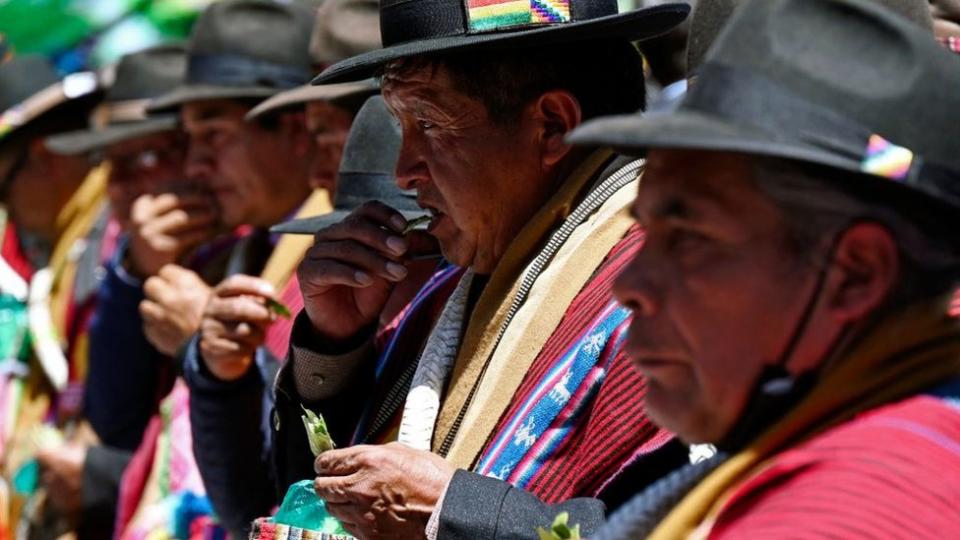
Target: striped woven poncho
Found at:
x=577, y=417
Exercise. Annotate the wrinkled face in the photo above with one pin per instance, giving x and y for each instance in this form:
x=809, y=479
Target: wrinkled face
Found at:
x=328, y=126
x=145, y=165
x=946, y=17
x=240, y=162
x=713, y=293
x=482, y=181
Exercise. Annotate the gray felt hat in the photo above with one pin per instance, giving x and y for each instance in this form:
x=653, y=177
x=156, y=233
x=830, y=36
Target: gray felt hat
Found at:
x=366, y=171
x=244, y=49
x=342, y=28
x=140, y=77
x=873, y=94
x=31, y=89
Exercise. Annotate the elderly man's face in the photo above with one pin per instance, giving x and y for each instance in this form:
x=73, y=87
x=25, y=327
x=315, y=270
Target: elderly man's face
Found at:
x=713, y=294
x=253, y=172
x=145, y=165
x=482, y=181
x=328, y=126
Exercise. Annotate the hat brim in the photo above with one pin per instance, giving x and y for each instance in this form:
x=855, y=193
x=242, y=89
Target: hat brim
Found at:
x=688, y=130
x=48, y=102
x=635, y=134
x=172, y=100
x=304, y=94
x=633, y=26
x=311, y=225
x=84, y=141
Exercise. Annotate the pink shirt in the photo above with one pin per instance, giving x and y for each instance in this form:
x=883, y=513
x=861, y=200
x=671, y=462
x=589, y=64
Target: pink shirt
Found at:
x=893, y=472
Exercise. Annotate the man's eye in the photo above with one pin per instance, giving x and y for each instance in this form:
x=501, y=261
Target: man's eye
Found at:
x=425, y=124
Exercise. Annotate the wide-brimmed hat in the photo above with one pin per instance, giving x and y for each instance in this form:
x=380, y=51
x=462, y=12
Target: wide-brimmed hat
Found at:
x=707, y=19
x=244, y=49
x=30, y=88
x=139, y=77
x=845, y=84
x=411, y=28
x=366, y=171
x=342, y=28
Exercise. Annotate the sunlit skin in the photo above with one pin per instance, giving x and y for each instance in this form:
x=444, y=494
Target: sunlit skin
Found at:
x=483, y=179
x=259, y=177
x=946, y=18
x=715, y=295
x=145, y=165
x=328, y=126
x=42, y=187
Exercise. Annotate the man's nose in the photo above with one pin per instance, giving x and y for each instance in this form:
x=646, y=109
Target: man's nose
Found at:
x=198, y=164
x=635, y=289
x=411, y=168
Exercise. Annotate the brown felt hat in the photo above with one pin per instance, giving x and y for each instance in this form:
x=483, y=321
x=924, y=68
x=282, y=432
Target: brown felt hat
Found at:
x=342, y=28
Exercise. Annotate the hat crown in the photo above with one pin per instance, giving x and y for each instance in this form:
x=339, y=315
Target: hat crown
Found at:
x=236, y=42
x=344, y=28
x=148, y=73
x=373, y=144
x=868, y=69
x=402, y=21
x=24, y=76
x=369, y=159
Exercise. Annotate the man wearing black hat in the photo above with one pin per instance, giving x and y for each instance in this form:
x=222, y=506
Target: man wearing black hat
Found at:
x=145, y=155
x=342, y=28
x=43, y=217
x=485, y=93
x=36, y=184
x=366, y=173
x=256, y=171
x=791, y=299
x=259, y=173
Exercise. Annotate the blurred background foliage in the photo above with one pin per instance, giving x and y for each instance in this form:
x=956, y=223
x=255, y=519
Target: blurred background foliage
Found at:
x=84, y=34
x=88, y=34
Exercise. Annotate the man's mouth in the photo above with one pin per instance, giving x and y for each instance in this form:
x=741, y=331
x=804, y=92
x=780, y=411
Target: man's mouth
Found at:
x=435, y=215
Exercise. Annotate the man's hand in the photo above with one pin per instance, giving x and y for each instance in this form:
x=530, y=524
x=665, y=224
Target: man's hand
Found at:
x=173, y=309
x=62, y=476
x=347, y=276
x=384, y=491
x=166, y=228
x=234, y=324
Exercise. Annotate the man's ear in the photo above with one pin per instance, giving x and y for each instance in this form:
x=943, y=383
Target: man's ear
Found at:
x=866, y=264
x=558, y=113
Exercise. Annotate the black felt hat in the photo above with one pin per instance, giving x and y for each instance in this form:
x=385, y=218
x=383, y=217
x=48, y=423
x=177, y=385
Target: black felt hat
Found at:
x=30, y=88
x=342, y=28
x=427, y=27
x=841, y=83
x=244, y=49
x=139, y=77
x=366, y=171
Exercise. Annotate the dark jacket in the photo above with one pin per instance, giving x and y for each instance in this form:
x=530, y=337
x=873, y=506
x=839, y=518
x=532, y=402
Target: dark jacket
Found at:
x=229, y=439
x=127, y=376
x=224, y=417
x=509, y=513
x=102, y=472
